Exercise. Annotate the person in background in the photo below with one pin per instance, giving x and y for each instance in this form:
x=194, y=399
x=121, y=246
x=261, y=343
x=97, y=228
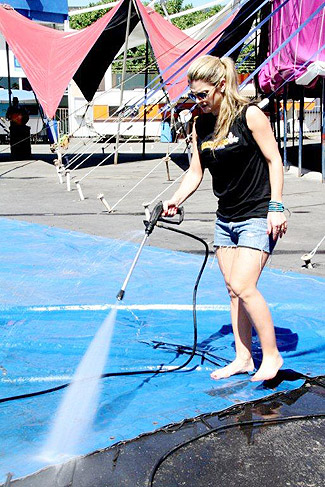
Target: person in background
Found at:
x=16, y=113
x=235, y=142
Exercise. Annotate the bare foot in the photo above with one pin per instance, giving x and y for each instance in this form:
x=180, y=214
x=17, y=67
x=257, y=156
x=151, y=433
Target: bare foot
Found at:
x=238, y=366
x=269, y=368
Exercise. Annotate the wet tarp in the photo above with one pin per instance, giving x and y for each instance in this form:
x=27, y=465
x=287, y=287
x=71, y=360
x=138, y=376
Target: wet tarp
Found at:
x=304, y=48
x=57, y=289
x=41, y=10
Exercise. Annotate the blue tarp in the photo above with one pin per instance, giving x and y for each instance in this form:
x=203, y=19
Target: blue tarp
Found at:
x=42, y=10
x=58, y=286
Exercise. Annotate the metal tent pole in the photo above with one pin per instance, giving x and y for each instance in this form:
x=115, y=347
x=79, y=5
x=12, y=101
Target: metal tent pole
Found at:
x=9, y=78
x=293, y=122
x=127, y=32
x=272, y=113
x=301, y=131
x=323, y=130
x=285, y=133
x=162, y=84
x=146, y=77
x=278, y=109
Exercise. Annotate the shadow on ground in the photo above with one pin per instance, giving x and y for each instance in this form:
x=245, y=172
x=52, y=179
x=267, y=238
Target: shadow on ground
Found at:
x=311, y=156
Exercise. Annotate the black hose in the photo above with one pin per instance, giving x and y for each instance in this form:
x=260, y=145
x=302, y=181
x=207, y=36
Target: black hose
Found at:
x=253, y=422
x=141, y=372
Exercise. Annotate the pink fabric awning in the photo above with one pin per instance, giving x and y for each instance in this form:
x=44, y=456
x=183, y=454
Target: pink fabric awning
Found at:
x=289, y=63
x=173, y=49
x=49, y=57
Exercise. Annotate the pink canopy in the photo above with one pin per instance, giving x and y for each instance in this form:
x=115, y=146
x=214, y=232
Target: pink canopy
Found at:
x=51, y=58
x=48, y=57
x=173, y=49
x=289, y=63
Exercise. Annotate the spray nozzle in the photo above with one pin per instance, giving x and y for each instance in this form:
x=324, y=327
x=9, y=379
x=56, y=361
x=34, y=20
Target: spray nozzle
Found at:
x=120, y=295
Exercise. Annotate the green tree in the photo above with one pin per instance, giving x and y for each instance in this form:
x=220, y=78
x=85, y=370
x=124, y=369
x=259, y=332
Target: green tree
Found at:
x=247, y=59
x=84, y=20
x=186, y=21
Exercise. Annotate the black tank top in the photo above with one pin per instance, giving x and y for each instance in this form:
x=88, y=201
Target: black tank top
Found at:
x=240, y=174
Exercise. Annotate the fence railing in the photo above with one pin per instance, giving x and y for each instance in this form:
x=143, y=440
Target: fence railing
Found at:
x=62, y=117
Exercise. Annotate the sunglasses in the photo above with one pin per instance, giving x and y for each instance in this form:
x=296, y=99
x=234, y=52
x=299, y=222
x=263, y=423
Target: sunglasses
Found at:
x=202, y=95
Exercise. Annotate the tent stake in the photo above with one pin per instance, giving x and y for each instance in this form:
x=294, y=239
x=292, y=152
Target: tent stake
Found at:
x=81, y=196
x=67, y=172
x=101, y=197
x=8, y=480
x=167, y=159
x=58, y=170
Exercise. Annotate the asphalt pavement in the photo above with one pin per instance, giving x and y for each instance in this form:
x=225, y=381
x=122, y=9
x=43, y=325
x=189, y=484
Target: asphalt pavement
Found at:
x=31, y=191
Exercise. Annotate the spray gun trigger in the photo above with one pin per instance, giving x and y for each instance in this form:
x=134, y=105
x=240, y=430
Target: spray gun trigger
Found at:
x=171, y=219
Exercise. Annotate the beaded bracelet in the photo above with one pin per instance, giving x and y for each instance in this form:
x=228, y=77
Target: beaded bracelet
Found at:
x=276, y=206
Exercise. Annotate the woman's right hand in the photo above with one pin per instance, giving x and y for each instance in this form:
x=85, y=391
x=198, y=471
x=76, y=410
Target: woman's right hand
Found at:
x=170, y=207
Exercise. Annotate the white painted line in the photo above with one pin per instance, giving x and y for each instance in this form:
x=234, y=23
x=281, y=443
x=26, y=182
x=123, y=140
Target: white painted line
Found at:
x=68, y=378
x=137, y=307
x=159, y=307
x=29, y=380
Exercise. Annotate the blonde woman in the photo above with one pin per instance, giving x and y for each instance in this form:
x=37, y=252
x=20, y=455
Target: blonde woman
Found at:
x=235, y=142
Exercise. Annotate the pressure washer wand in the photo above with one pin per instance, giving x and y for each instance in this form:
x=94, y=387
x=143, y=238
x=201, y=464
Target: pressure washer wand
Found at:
x=150, y=224
x=120, y=295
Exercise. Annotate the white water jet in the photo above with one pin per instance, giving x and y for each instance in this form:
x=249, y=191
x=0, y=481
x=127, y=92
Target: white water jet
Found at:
x=79, y=405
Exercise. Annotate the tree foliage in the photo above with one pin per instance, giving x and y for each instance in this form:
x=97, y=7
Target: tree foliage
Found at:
x=246, y=59
x=186, y=21
x=84, y=20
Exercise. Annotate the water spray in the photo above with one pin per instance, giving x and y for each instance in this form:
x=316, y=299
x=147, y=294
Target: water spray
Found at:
x=154, y=219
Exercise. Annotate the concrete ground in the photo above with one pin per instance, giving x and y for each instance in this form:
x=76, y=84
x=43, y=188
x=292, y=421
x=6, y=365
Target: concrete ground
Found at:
x=30, y=191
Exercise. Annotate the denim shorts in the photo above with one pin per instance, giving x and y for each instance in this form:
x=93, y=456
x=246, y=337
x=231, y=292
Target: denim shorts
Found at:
x=250, y=233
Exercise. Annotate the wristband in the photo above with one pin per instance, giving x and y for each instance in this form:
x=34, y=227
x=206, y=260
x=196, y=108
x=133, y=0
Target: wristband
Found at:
x=276, y=206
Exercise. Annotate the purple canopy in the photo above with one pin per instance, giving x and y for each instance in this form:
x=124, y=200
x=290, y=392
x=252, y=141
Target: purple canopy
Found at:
x=289, y=63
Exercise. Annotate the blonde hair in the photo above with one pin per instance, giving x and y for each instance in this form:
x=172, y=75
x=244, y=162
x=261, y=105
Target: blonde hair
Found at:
x=214, y=70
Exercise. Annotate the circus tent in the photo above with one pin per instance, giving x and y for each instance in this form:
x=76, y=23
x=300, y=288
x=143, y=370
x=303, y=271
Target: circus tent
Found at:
x=51, y=58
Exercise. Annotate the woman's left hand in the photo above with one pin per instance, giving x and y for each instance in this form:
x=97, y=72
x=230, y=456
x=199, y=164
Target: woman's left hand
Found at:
x=276, y=224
